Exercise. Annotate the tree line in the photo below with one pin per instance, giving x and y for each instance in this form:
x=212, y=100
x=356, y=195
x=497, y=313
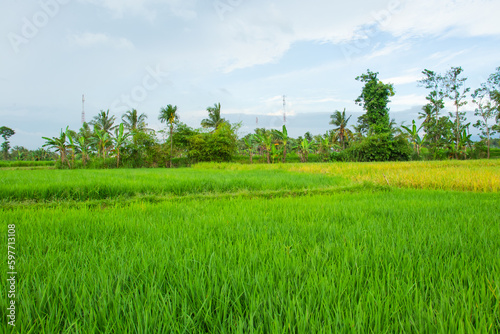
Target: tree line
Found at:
x=103, y=142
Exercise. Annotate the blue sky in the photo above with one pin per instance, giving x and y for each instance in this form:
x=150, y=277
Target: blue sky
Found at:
x=245, y=54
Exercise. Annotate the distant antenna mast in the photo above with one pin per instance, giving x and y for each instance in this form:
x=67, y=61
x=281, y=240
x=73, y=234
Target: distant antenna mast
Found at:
x=83, y=109
x=284, y=109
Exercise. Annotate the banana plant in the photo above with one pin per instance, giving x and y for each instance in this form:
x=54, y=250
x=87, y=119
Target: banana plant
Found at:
x=465, y=139
x=415, y=138
x=325, y=148
x=276, y=152
x=250, y=146
x=119, y=139
x=72, y=145
x=59, y=144
x=84, y=146
x=303, y=148
x=267, y=142
x=283, y=137
x=102, y=139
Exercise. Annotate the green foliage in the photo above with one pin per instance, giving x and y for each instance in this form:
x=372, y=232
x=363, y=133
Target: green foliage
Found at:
x=219, y=145
x=144, y=151
x=382, y=147
x=374, y=99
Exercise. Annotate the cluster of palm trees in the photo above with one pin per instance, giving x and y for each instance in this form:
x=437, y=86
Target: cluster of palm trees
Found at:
x=101, y=136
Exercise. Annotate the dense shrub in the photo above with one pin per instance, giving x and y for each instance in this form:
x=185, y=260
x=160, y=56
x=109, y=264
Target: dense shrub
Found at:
x=382, y=147
x=218, y=146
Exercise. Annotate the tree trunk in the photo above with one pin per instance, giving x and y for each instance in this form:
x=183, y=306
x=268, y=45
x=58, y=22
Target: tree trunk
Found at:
x=171, y=144
x=488, y=134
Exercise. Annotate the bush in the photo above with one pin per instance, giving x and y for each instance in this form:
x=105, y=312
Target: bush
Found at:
x=218, y=146
x=382, y=147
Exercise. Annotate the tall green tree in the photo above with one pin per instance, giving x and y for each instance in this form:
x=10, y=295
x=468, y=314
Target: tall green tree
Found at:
x=430, y=112
x=457, y=92
x=214, y=119
x=6, y=133
x=486, y=111
x=493, y=86
x=339, y=120
x=374, y=98
x=169, y=115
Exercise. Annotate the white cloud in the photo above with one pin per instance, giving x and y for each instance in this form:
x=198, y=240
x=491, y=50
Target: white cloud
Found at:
x=148, y=9
x=87, y=40
x=452, y=17
x=388, y=50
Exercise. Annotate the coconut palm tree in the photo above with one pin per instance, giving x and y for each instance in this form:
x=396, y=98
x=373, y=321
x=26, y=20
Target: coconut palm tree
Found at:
x=169, y=115
x=103, y=121
x=132, y=121
x=214, y=120
x=339, y=120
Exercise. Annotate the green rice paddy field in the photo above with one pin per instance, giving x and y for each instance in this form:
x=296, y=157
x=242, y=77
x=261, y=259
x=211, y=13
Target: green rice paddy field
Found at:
x=223, y=248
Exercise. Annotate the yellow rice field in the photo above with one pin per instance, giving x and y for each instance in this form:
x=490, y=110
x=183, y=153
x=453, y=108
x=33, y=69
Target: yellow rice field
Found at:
x=471, y=175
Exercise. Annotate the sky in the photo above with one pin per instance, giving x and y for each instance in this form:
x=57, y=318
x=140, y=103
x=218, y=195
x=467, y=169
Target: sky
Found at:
x=244, y=54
